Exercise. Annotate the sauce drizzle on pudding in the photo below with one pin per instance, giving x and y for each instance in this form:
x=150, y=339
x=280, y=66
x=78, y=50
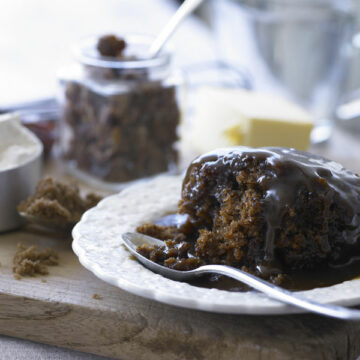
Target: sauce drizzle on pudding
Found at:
x=275, y=212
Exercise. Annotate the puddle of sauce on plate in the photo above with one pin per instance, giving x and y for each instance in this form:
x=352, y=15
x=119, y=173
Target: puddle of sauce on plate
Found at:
x=304, y=280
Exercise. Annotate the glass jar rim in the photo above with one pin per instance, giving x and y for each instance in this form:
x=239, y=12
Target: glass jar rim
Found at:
x=85, y=52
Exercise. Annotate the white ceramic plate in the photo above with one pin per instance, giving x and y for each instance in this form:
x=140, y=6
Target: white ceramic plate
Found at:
x=98, y=244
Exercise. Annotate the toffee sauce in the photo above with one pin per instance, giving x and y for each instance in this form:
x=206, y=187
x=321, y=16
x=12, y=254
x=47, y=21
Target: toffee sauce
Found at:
x=293, y=170
x=304, y=280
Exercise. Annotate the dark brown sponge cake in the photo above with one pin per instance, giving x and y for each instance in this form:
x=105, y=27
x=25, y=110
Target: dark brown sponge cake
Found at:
x=271, y=209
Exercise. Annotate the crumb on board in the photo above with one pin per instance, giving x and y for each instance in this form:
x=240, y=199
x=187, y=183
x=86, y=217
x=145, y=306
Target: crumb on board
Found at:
x=96, y=297
x=29, y=261
x=43, y=281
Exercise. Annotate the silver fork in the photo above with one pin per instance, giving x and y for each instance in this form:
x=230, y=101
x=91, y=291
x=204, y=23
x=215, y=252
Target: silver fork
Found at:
x=133, y=240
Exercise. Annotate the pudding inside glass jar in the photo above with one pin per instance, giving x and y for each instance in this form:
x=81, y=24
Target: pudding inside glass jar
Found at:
x=120, y=114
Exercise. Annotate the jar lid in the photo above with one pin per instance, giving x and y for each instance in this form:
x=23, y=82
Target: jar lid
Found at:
x=136, y=51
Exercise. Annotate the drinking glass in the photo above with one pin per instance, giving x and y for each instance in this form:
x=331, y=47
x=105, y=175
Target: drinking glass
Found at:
x=299, y=49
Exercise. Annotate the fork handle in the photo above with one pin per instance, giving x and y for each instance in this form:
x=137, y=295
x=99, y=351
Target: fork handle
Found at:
x=280, y=294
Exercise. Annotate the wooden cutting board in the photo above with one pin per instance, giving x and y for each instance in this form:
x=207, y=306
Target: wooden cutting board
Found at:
x=63, y=312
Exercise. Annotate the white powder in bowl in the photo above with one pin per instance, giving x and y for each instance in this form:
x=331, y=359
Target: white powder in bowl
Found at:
x=18, y=145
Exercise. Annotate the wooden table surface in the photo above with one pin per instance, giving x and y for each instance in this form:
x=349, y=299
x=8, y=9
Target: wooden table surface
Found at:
x=63, y=312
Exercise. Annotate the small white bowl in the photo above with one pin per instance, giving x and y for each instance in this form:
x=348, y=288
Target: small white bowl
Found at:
x=17, y=183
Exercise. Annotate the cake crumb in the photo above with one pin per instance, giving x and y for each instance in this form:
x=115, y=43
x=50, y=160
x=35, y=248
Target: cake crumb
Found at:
x=96, y=297
x=28, y=261
x=111, y=45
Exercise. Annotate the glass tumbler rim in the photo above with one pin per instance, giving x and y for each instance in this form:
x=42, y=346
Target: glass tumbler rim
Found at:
x=345, y=6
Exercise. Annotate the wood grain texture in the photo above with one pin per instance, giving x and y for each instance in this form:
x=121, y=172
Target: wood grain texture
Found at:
x=62, y=312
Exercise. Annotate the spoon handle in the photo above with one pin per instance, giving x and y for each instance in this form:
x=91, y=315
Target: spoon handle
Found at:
x=184, y=10
x=280, y=294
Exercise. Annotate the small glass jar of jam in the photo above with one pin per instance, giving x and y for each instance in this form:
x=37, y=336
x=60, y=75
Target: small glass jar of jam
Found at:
x=120, y=111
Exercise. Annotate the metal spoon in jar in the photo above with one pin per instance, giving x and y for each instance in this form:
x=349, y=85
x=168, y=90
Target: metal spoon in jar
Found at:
x=133, y=240
x=184, y=10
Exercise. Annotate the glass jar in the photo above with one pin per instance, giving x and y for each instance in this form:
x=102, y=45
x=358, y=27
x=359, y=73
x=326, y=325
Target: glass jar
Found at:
x=119, y=117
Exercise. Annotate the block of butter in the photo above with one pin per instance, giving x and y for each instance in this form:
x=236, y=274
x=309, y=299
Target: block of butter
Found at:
x=228, y=117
